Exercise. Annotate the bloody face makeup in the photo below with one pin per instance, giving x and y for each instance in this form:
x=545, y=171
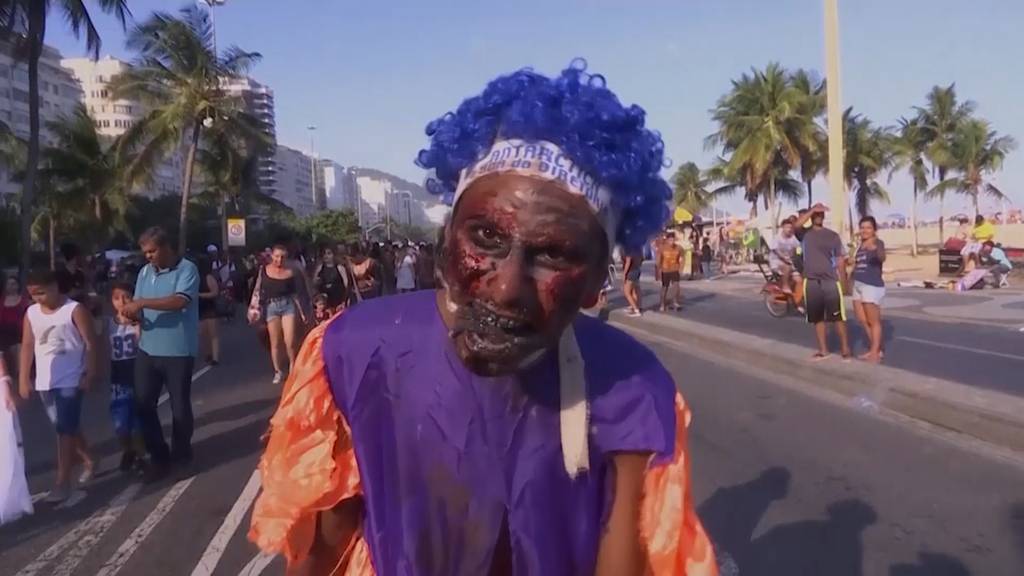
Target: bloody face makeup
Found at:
x=521, y=257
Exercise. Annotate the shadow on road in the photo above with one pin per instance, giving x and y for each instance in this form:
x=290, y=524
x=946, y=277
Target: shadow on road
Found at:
x=1017, y=527
x=234, y=412
x=832, y=545
x=731, y=514
x=931, y=564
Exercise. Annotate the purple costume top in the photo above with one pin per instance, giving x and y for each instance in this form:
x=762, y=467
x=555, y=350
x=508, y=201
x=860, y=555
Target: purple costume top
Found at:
x=447, y=457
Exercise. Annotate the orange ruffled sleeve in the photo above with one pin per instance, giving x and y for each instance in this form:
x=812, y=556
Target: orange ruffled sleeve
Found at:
x=675, y=541
x=308, y=466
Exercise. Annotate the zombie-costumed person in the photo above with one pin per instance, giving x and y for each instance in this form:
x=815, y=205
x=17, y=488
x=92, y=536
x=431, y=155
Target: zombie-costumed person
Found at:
x=487, y=427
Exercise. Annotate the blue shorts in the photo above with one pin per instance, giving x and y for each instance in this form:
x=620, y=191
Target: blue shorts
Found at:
x=122, y=409
x=64, y=408
x=279, y=307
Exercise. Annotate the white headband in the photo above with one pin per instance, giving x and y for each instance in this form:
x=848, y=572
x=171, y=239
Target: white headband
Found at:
x=546, y=161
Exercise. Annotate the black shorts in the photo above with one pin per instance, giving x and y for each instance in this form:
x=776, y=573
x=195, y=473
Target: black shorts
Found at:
x=669, y=278
x=633, y=275
x=824, y=301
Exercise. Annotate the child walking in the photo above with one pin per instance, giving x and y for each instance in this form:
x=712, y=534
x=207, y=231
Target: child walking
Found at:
x=58, y=337
x=123, y=335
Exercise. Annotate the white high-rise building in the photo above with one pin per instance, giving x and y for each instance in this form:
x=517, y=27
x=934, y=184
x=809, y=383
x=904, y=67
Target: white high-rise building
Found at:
x=389, y=197
x=259, y=102
x=340, y=188
x=59, y=93
x=114, y=117
x=295, y=180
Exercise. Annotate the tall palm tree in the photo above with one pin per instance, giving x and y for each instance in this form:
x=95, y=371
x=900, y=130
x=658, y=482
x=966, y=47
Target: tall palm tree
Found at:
x=939, y=120
x=813, y=148
x=28, y=18
x=760, y=126
x=691, y=188
x=57, y=208
x=84, y=165
x=909, y=149
x=12, y=149
x=179, y=77
x=977, y=151
x=868, y=156
x=227, y=163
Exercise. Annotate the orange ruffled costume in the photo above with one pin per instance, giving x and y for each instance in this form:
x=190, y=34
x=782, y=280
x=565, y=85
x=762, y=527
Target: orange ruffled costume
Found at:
x=310, y=466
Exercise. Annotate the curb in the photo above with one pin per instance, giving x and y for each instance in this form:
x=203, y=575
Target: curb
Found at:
x=990, y=416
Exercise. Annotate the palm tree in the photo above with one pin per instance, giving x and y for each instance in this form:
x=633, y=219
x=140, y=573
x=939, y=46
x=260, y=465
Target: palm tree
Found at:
x=977, y=152
x=56, y=208
x=868, y=155
x=12, y=149
x=83, y=165
x=761, y=125
x=28, y=18
x=690, y=188
x=909, y=149
x=227, y=163
x=813, y=148
x=179, y=77
x=939, y=120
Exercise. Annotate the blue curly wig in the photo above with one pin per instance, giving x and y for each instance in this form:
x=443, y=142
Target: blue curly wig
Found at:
x=578, y=113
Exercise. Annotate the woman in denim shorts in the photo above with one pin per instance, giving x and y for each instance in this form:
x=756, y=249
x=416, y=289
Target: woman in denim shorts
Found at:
x=275, y=301
x=869, y=287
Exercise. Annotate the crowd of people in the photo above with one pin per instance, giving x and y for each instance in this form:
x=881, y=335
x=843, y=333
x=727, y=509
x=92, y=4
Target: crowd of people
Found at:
x=982, y=260
x=140, y=330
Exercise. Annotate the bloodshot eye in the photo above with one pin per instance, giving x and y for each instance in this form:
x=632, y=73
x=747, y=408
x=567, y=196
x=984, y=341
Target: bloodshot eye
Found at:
x=486, y=236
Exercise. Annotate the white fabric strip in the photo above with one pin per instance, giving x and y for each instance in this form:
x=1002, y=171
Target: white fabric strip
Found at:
x=546, y=161
x=574, y=416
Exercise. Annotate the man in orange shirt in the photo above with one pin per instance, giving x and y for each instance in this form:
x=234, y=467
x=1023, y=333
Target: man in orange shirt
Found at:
x=670, y=261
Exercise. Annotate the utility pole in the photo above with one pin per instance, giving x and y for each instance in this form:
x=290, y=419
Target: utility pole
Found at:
x=387, y=212
x=837, y=185
x=312, y=166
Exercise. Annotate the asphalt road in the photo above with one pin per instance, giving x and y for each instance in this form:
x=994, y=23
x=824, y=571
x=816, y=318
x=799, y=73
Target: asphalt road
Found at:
x=980, y=355
x=787, y=484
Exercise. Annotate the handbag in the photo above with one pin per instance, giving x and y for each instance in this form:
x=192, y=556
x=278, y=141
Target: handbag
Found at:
x=255, y=312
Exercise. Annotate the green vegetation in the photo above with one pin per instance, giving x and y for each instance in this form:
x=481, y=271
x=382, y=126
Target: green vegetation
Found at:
x=771, y=130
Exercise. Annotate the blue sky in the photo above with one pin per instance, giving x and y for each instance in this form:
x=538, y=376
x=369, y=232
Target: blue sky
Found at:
x=370, y=75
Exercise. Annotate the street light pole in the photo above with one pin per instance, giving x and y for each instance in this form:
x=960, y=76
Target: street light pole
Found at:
x=835, y=118
x=312, y=166
x=222, y=206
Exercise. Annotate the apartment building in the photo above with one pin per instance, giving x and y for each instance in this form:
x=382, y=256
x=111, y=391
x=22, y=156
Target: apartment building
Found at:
x=114, y=117
x=295, y=180
x=259, y=102
x=59, y=93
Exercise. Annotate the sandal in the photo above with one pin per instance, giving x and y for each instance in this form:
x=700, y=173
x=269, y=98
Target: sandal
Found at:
x=818, y=357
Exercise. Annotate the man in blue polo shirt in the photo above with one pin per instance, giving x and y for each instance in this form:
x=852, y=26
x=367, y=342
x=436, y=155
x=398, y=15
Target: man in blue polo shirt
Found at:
x=166, y=302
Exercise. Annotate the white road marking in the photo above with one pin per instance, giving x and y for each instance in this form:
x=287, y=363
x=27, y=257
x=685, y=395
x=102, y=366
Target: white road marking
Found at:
x=135, y=539
x=208, y=563
x=962, y=348
x=195, y=376
x=88, y=531
x=257, y=565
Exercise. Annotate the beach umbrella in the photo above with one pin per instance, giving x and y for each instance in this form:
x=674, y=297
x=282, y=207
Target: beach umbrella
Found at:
x=681, y=215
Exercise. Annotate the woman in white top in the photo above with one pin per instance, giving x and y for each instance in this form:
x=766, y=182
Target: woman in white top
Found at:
x=406, y=270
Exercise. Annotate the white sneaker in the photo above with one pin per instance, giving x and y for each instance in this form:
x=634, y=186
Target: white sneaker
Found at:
x=634, y=314
x=278, y=377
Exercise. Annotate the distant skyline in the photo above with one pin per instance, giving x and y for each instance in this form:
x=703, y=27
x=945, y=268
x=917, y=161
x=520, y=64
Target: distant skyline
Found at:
x=370, y=76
